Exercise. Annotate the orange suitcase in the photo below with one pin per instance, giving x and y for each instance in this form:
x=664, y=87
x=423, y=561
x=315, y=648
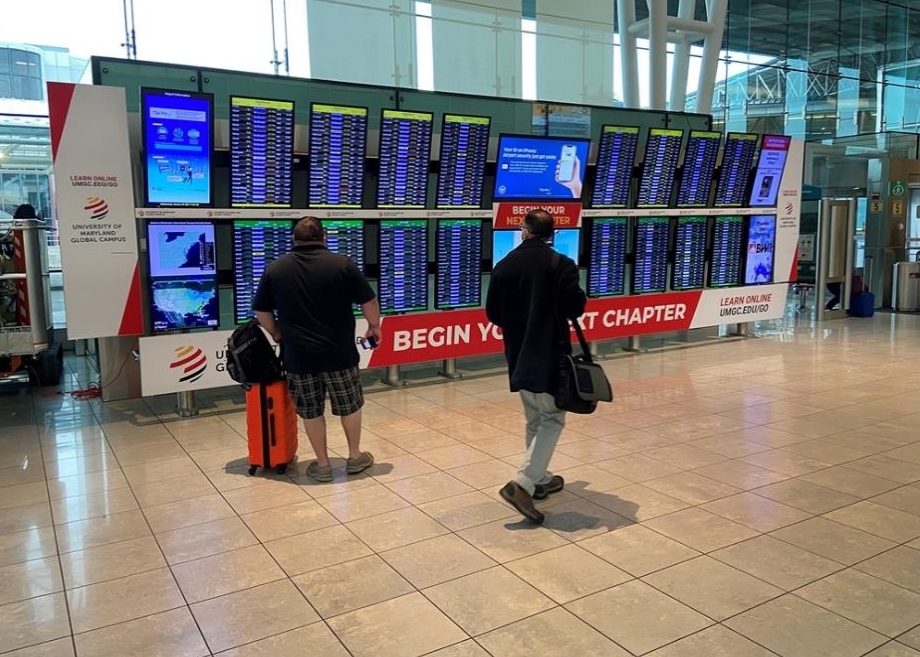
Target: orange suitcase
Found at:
x=271, y=426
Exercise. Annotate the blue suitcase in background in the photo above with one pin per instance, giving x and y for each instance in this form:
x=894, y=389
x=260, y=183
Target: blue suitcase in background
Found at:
x=862, y=304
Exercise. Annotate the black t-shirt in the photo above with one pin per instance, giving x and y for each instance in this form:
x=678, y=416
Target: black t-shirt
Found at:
x=312, y=292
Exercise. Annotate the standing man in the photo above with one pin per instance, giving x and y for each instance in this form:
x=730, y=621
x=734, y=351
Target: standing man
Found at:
x=532, y=294
x=305, y=301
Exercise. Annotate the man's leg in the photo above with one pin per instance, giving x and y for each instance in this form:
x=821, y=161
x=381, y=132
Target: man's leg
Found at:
x=533, y=470
x=309, y=396
x=316, y=432
x=352, y=426
x=347, y=397
x=532, y=417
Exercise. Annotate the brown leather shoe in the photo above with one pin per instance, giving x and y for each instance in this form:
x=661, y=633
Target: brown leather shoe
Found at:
x=522, y=502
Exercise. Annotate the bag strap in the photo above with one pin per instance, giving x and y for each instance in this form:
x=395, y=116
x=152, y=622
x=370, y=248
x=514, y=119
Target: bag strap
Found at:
x=585, y=350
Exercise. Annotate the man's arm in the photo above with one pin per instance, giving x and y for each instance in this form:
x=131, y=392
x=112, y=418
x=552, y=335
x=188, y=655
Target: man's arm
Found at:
x=267, y=320
x=371, y=310
x=493, y=303
x=572, y=298
x=263, y=305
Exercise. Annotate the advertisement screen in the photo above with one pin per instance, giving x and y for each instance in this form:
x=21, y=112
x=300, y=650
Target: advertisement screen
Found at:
x=758, y=267
x=184, y=303
x=177, y=134
x=503, y=243
x=769, y=172
x=540, y=168
x=565, y=241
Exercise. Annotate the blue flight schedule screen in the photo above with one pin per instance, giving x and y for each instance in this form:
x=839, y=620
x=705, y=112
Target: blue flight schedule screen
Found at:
x=662, y=153
x=464, y=147
x=727, y=251
x=459, y=281
x=405, y=152
x=650, y=255
x=607, y=260
x=540, y=168
x=616, y=157
x=689, y=269
x=255, y=244
x=346, y=238
x=737, y=160
x=177, y=133
x=261, y=152
x=338, y=146
x=699, y=167
x=403, y=282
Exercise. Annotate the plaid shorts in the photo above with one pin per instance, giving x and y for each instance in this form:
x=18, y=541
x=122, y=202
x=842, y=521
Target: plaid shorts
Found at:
x=309, y=392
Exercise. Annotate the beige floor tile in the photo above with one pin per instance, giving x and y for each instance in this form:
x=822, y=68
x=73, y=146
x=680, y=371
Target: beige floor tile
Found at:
x=22, y=473
x=396, y=529
x=806, y=496
x=567, y=573
x=578, y=519
x=27, y=545
x=637, y=467
x=715, y=641
x=96, y=505
x=113, y=561
x=24, y=518
x=851, y=482
x=881, y=465
x=692, y=488
x=172, y=490
x=187, y=513
x=638, y=617
x=24, y=495
x=776, y=562
x=466, y=649
x=409, y=626
x=317, y=549
x=685, y=456
x=487, y=600
x=423, y=441
x=446, y=458
x=428, y=488
x=351, y=585
x=906, y=498
x=557, y=631
x=30, y=622
x=120, y=600
x=808, y=428
x=284, y=521
x=732, y=445
x=894, y=649
x=30, y=579
x=315, y=640
x=756, y=512
x=465, y=511
x=590, y=451
x=85, y=464
x=586, y=480
x=227, y=572
x=899, y=566
x=96, y=532
x=911, y=638
x=638, y=550
x=160, y=470
x=168, y=634
x=486, y=474
x=506, y=541
x=785, y=462
x=87, y=484
x=253, y=614
x=828, y=451
x=712, y=588
x=700, y=530
x=637, y=502
x=397, y=468
x=833, y=541
x=740, y=474
x=200, y=541
x=879, y=520
x=58, y=648
x=437, y=560
x=151, y=453
x=362, y=503
x=869, y=601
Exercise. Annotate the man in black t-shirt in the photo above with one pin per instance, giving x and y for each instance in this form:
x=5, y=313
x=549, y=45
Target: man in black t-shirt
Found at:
x=305, y=300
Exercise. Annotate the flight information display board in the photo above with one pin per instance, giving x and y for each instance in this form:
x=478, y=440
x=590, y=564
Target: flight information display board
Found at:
x=662, y=153
x=727, y=251
x=689, y=269
x=405, y=152
x=616, y=157
x=177, y=132
x=255, y=244
x=607, y=259
x=346, y=238
x=338, y=147
x=761, y=240
x=650, y=254
x=769, y=174
x=464, y=147
x=699, y=168
x=183, y=275
x=458, y=281
x=261, y=152
x=403, y=282
x=737, y=160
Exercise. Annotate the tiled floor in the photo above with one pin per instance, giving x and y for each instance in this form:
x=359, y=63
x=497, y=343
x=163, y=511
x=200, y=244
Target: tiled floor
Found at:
x=743, y=499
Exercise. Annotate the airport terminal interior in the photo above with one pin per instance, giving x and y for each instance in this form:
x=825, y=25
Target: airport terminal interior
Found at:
x=739, y=184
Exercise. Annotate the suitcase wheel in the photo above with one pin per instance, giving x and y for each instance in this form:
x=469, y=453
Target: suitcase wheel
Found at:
x=281, y=468
x=252, y=469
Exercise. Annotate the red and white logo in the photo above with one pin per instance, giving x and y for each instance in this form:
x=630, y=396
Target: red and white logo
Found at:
x=191, y=363
x=97, y=207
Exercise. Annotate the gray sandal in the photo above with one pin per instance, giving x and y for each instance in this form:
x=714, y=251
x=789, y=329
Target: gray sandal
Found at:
x=360, y=464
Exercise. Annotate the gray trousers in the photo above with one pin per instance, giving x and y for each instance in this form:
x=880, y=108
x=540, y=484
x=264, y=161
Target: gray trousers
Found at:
x=544, y=426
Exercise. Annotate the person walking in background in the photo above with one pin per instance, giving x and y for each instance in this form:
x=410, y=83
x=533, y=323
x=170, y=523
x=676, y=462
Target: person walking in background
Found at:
x=533, y=292
x=305, y=301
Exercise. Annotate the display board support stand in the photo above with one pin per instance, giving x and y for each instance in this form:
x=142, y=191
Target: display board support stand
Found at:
x=449, y=369
x=635, y=344
x=393, y=378
x=593, y=350
x=745, y=330
x=185, y=404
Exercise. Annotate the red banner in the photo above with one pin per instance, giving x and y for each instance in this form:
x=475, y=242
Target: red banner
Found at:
x=511, y=215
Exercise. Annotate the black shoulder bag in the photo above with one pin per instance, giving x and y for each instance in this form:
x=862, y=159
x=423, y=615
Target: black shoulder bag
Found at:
x=580, y=382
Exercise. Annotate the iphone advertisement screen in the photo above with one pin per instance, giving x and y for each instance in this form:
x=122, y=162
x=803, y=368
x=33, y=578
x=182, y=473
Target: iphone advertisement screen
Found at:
x=535, y=168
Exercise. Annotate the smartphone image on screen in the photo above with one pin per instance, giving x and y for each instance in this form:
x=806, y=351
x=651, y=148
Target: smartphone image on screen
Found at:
x=567, y=164
x=765, y=186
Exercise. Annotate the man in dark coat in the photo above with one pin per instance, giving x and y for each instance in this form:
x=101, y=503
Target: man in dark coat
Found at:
x=532, y=293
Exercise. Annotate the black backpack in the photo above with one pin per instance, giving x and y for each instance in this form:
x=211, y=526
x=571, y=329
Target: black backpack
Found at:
x=251, y=357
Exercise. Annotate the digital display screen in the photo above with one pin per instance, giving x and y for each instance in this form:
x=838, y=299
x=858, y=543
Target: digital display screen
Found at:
x=180, y=249
x=346, y=238
x=464, y=147
x=184, y=303
x=616, y=157
x=503, y=243
x=255, y=244
x=403, y=283
x=607, y=260
x=459, y=257
x=338, y=147
x=405, y=152
x=565, y=241
x=769, y=174
x=699, y=168
x=261, y=152
x=737, y=160
x=650, y=266
x=540, y=168
x=761, y=240
x=688, y=272
x=662, y=153
x=727, y=251
x=177, y=134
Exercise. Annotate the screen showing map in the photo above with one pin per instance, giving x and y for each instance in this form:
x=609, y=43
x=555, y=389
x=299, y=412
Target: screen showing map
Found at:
x=180, y=248
x=184, y=303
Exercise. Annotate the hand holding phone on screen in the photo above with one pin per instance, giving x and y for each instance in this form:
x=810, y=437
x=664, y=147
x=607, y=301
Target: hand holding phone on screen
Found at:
x=568, y=170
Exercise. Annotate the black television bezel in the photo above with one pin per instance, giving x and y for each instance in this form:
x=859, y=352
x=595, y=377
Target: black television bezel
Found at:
x=340, y=206
x=424, y=204
x=270, y=206
x=591, y=273
x=485, y=160
x=438, y=262
x=496, y=198
x=597, y=167
x=380, y=252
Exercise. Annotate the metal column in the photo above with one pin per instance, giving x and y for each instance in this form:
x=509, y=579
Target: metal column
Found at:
x=449, y=369
x=185, y=404
x=658, y=53
x=629, y=64
x=393, y=378
x=681, y=66
x=716, y=11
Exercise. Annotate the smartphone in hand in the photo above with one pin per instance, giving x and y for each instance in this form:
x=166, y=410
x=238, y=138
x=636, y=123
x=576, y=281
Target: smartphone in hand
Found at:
x=368, y=343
